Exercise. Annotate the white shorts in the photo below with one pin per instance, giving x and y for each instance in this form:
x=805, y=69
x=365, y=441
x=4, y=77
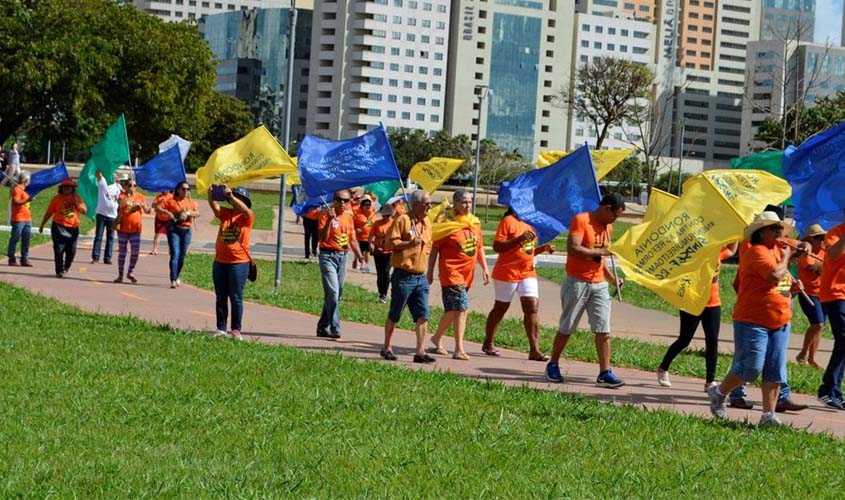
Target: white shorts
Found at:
x=529, y=287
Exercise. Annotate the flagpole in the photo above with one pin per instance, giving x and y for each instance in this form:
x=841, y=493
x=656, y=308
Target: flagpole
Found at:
x=283, y=180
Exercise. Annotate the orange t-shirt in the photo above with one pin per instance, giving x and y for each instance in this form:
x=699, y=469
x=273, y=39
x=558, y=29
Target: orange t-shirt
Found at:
x=62, y=209
x=517, y=263
x=811, y=279
x=833, y=270
x=131, y=213
x=593, y=235
x=341, y=231
x=20, y=211
x=379, y=232
x=363, y=223
x=398, y=208
x=159, y=200
x=715, y=298
x=232, y=245
x=312, y=214
x=760, y=300
x=458, y=254
x=185, y=204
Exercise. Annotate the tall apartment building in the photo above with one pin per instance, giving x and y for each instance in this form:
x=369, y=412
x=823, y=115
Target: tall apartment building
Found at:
x=508, y=59
x=252, y=47
x=610, y=35
x=180, y=10
x=378, y=61
x=792, y=20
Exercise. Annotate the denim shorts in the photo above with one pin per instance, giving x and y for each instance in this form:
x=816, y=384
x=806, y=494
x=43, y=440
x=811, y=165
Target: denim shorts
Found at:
x=455, y=298
x=411, y=290
x=759, y=349
x=814, y=312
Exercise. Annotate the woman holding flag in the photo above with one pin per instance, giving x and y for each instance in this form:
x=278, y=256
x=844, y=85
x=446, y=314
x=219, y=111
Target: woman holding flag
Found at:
x=64, y=208
x=457, y=241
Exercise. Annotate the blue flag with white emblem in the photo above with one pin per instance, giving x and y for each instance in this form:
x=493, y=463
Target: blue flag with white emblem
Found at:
x=549, y=197
x=816, y=172
x=161, y=173
x=328, y=166
x=41, y=180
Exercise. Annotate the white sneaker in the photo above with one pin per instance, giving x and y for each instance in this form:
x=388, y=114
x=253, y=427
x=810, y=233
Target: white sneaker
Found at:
x=236, y=334
x=663, y=377
x=770, y=419
x=219, y=333
x=708, y=386
x=172, y=284
x=178, y=282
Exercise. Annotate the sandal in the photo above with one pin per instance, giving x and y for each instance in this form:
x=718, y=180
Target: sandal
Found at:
x=542, y=357
x=437, y=350
x=462, y=356
x=490, y=351
x=801, y=360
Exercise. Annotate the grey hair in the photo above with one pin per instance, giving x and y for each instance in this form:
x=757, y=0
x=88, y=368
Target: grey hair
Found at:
x=417, y=196
x=458, y=196
x=23, y=177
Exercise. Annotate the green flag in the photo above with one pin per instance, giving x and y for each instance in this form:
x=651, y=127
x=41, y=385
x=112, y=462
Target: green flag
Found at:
x=383, y=189
x=770, y=161
x=106, y=156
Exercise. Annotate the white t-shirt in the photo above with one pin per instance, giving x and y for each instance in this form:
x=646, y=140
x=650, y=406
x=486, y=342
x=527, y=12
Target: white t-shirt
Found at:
x=107, y=195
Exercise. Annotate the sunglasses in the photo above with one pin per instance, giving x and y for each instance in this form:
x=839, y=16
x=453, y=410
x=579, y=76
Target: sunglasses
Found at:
x=343, y=200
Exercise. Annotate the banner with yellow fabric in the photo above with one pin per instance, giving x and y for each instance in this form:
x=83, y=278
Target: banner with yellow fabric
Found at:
x=444, y=221
x=292, y=178
x=659, y=202
x=431, y=174
x=676, y=254
x=604, y=160
x=258, y=155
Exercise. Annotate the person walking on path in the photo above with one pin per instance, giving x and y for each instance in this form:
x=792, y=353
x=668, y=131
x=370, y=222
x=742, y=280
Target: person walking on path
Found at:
x=364, y=218
x=516, y=244
x=106, y=213
x=64, y=209
x=381, y=255
x=128, y=226
x=13, y=168
x=710, y=319
x=761, y=317
x=310, y=223
x=337, y=236
x=410, y=240
x=459, y=245
x=809, y=272
x=586, y=287
x=832, y=297
x=231, y=257
x=162, y=219
x=181, y=211
x=21, y=219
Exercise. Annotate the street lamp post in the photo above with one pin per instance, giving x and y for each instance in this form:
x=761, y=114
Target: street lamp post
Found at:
x=484, y=91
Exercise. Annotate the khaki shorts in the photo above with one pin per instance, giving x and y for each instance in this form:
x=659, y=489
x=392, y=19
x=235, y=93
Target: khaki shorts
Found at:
x=575, y=297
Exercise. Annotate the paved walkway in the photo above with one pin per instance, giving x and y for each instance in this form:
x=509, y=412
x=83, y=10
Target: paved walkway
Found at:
x=90, y=287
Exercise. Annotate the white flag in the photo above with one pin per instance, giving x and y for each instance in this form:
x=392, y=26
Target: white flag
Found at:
x=175, y=140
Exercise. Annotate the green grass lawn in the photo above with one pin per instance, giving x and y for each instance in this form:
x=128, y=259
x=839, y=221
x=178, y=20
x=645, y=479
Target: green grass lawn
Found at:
x=104, y=406
x=301, y=290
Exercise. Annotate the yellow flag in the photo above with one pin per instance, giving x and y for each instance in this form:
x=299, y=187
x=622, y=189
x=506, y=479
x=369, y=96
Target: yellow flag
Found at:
x=444, y=221
x=258, y=155
x=676, y=253
x=434, y=172
x=658, y=204
x=292, y=178
x=604, y=160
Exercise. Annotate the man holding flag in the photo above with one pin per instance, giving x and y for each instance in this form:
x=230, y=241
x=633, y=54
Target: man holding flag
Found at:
x=585, y=286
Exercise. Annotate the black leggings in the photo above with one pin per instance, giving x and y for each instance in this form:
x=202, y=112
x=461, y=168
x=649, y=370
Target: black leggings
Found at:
x=710, y=320
x=310, y=227
x=382, y=272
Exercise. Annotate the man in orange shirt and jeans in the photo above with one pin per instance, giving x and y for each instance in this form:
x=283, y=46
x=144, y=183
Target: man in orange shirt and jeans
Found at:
x=21, y=219
x=833, y=299
x=585, y=286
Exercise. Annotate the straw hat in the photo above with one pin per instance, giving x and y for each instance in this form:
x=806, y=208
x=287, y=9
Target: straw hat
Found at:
x=764, y=219
x=122, y=177
x=814, y=230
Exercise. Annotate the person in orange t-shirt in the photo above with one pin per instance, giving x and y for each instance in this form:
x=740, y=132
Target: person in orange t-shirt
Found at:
x=337, y=235
x=231, y=257
x=363, y=220
x=833, y=300
x=162, y=219
x=381, y=255
x=128, y=226
x=21, y=219
x=710, y=319
x=458, y=252
x=513, y=272
x=809, y=272
x=64, y=208
x=180, y=211
x=585, y=287
x=310, y=221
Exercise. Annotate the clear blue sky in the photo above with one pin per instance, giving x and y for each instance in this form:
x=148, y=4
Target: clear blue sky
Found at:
x=828, y=21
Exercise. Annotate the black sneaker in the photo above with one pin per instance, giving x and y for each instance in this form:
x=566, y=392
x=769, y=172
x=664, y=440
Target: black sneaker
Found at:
x=387, y=355
x=831, y=402
x=423, y=358
x=740, y=403
x=325, y=335
x=334, y=336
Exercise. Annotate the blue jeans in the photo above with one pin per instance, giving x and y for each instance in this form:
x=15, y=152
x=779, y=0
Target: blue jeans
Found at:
x=229, y=280
x=411, y=290
x=20, y=231
x=178, y=241
x=832, y=378
x=333, y=273
x=758, y=349
x=104, y=224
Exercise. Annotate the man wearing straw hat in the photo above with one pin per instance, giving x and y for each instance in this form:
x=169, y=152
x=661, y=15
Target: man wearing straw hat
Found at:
x=833, y=299
x=586, y=288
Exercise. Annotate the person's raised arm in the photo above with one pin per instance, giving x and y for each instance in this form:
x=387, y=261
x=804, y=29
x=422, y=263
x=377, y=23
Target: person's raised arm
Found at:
x=215, y=207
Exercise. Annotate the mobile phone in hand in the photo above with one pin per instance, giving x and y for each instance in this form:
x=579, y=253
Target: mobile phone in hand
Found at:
x=218, y=192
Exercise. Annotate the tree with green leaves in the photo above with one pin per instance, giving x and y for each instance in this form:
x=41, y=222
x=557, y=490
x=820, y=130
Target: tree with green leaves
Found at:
x=800, y=122
x=229, y=119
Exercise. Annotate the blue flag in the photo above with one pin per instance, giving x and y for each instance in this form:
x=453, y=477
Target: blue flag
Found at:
x=328, y=166
x=548, y=198
x=41, y=180
x=162, y=173
x=816, y=172
x=304, y=207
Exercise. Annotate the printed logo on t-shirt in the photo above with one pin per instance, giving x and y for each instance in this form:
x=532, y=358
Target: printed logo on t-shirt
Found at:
x=231, y=234
x=468, y=244
x=529, y=246
x=67, y=210
x=784, y=285
x=342, y=240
